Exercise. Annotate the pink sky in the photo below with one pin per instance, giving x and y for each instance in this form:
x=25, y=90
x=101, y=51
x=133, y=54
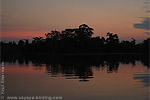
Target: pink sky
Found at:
x=30, y=18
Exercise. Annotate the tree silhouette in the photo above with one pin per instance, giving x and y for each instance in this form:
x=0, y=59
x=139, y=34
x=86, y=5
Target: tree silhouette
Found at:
x=21, y=43
x=37, y=40
x=84, y=32
x=77, y=40
x=112, y=38
x=54, y=35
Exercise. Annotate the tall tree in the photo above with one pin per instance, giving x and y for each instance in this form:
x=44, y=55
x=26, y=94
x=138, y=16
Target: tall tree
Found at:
x=112, y=38
x=54, y=35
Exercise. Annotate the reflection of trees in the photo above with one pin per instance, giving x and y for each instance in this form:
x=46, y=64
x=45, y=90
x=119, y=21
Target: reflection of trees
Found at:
x=79, y=67
x=112, y=67
x=71, y=71
x=145, y=61
x=84, y=71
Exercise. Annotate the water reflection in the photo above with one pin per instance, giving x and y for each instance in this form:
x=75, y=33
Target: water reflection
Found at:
x=71, y=71
x=145, y=78
x=80, y=67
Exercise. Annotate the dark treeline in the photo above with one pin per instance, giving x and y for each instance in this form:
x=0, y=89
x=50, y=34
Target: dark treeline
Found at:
x=78, y=40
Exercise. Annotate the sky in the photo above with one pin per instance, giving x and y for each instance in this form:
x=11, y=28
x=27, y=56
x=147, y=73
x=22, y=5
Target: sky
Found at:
x=25, y=19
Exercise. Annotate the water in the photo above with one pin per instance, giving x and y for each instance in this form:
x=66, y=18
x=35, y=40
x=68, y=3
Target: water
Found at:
x=78, y=79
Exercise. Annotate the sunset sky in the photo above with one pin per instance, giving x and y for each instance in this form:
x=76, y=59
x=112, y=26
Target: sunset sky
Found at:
x=29, y=18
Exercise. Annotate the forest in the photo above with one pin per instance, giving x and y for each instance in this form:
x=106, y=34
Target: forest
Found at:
x=74, y=41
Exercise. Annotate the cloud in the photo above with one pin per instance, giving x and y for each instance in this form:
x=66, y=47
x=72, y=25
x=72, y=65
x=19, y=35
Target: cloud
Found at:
x=145, y=24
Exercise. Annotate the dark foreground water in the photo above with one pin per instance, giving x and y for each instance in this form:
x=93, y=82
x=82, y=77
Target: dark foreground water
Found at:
x=78, y=78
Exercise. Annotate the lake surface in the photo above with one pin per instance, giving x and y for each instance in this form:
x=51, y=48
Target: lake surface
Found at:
x=80, y=78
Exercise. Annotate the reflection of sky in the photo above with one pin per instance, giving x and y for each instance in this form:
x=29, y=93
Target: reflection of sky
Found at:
x=145, y=78
x=32, y=80
x=28, y=18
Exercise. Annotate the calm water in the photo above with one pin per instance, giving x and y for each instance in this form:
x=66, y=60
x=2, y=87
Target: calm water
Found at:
x=92, y=79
